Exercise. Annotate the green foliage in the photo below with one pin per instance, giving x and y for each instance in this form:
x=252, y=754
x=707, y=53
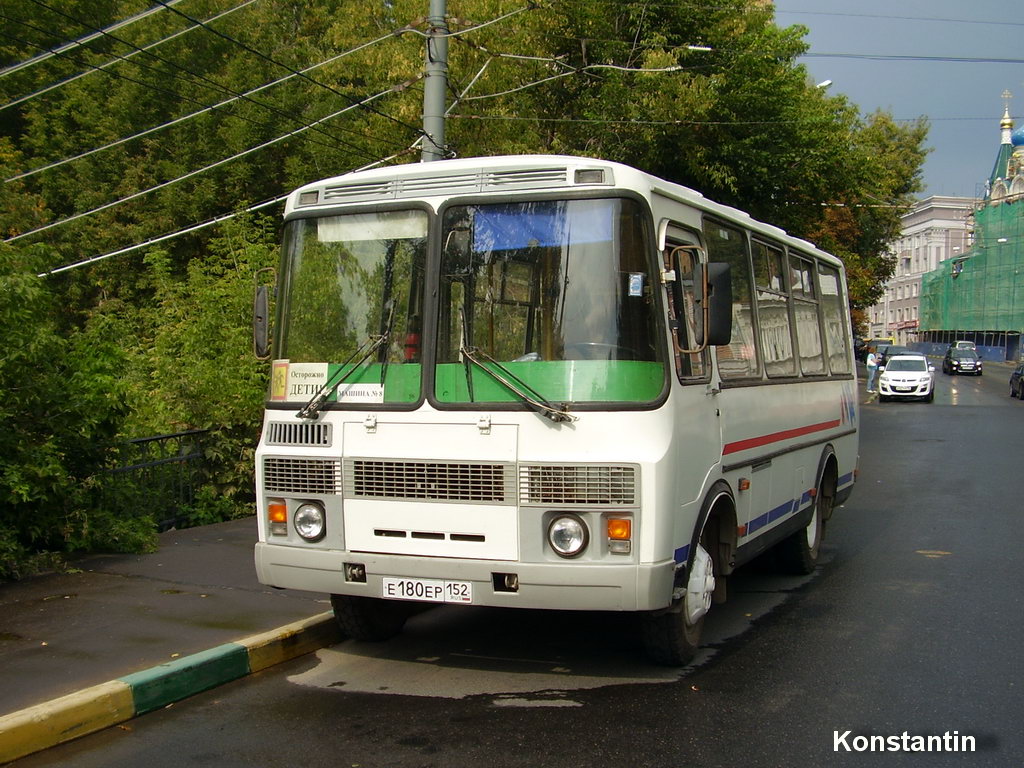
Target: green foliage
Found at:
x=191, y=362
x=158, y=341
x=60, y=409
x=211, y=507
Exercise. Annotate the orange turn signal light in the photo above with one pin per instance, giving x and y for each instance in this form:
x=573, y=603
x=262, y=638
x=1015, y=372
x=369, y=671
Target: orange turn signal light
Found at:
x=620, y=528
x=277, y=511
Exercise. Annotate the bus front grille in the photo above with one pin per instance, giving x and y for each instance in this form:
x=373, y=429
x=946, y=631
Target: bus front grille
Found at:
x=314, y=434
x=476, y=482
x=577, y=484
x=301, y=476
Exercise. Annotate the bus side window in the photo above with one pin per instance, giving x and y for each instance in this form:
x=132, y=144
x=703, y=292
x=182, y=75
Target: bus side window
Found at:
x=837, y=337
x=688, y=365
x=773, y=310
x=726, y=243
x=805, y=304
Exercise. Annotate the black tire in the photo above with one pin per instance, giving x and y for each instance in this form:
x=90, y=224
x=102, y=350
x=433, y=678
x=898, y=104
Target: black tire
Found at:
x=798, y=554
x=369, y=618
x=669, y=638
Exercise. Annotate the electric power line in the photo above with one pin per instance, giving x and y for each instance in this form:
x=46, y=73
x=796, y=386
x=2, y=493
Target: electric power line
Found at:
x=208, y=81
x=73, y=78
x=75, y=43
x=167, y=4
x=264, y=145
x=174, y=94
x=203, y=225
x=183, y=118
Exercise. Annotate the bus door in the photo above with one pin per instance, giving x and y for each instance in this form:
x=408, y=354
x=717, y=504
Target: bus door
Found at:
x=698, y=437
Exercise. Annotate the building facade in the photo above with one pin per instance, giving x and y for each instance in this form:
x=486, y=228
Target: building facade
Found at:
x=935, y=230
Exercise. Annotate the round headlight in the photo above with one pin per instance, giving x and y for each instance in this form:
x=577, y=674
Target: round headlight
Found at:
x=568, y=535
x=310, y=521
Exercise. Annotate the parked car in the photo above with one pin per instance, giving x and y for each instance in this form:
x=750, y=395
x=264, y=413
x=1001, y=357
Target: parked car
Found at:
x=1017, y=382
x=876, y=344
x=884, y=352
x=963, y=345
x=961, y=361
x=907, y=376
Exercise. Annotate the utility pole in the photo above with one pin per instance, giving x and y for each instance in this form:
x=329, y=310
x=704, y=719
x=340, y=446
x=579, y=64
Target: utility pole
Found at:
x=435, y=84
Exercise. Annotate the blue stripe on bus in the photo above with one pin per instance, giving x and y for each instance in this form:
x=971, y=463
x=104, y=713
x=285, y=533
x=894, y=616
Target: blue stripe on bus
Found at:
x=777, y=514
x=682, y=554
x=845, y=479
x=769, y=516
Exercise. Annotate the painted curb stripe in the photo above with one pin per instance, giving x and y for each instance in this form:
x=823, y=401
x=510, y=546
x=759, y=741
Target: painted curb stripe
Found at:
x=291, y=641
x=52, y=722
x=157, y=687
x=101, y=706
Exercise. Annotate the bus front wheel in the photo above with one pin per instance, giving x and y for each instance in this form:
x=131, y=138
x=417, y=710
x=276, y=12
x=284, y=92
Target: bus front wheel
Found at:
x=672, y=637
x=369, y=618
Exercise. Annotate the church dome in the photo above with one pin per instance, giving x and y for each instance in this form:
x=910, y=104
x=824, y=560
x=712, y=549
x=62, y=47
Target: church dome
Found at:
x=1017, y=137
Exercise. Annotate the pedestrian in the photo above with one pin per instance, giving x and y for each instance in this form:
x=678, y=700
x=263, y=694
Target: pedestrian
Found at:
x=872, y=363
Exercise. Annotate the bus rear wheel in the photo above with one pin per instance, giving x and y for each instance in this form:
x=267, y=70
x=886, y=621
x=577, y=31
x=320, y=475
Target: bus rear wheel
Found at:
x=672, y=637
x=798, y=554
x=369, y=618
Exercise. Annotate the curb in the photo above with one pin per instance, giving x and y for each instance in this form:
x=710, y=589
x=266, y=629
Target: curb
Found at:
x=101, y=706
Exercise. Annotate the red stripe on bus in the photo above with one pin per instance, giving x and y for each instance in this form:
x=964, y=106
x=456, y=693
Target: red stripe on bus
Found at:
x=775, y=437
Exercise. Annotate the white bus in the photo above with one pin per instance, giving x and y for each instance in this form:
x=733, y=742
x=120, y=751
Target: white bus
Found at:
x=546, y=382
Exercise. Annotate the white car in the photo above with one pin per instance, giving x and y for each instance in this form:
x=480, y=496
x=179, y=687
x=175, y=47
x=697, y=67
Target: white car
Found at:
x=906, y=376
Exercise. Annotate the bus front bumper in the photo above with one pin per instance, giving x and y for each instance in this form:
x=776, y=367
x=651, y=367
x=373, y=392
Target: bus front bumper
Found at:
x=558, y=585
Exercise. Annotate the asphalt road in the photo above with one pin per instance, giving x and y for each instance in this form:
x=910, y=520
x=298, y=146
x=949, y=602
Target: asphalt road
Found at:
x=911, y=624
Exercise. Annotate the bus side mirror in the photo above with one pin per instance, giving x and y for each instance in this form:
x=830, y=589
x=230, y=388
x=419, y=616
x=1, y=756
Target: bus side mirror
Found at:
x=261, y=323
x=713, y=303
x=261, y=315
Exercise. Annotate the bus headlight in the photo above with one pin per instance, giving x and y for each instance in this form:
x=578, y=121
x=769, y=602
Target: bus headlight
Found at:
x=568, y=535
x=310, y=521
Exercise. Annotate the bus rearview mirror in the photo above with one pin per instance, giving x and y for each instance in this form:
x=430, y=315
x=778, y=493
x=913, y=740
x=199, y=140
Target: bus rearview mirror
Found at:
x=261, y=323
x=713, y=316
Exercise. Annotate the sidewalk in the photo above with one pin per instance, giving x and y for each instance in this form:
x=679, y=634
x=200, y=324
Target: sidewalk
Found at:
x=146, y=619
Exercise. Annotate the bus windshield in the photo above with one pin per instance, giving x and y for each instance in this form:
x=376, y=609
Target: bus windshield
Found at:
x=351, y=298
x=557, y=294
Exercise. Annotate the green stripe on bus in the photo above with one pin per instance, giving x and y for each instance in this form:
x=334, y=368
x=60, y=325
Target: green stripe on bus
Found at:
x=580, y=381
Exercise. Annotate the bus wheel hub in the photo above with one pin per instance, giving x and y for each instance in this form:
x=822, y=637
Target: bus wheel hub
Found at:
x=700, y=586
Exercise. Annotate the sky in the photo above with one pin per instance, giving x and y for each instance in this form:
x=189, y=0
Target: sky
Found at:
x=962, y=99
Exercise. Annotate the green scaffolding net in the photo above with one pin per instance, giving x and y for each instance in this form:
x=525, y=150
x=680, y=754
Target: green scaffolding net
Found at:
x=983, y=290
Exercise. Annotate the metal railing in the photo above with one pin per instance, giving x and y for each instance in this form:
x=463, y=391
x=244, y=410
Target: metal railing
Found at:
x=157, y=476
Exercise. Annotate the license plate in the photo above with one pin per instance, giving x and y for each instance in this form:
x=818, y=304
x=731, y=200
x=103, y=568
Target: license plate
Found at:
x=903, y=389
x=427, y=590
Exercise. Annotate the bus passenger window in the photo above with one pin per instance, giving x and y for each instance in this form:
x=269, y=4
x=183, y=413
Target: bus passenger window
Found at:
x=805, y=304
x=773, y=310
x=837, y=338
x=738, y=359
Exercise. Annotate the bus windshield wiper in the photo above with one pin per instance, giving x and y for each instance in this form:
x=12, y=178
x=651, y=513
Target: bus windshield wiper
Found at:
x=364, y=352
x=515, y=385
